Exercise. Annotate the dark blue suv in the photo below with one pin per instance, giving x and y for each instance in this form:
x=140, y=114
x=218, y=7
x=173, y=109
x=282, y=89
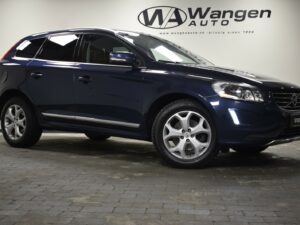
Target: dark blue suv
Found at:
x=117, y=83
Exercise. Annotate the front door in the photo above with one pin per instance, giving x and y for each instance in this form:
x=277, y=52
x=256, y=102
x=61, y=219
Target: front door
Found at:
x=106, y=94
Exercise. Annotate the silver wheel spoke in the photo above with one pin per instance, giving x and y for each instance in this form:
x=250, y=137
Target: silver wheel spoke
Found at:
x=18, y=112
x=198, y=146
x=199, y=128
x=184, y=120
x=21, y=123
x=172, y=132
x=18, y=133
x=9, y=115
x=9, y=127
x=180, y=147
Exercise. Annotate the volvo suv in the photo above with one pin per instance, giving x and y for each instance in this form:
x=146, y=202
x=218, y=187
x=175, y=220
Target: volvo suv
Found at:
x=117, y=83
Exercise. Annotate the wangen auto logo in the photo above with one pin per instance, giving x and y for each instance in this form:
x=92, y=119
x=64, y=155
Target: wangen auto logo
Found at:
x=166, y=17
x=162, y=17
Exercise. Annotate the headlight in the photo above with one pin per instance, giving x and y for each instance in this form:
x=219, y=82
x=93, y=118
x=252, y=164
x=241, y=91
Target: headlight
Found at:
x=238, y=91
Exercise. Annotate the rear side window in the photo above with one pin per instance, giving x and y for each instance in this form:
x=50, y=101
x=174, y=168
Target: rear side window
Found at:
x=59, y=48
x=29, y=48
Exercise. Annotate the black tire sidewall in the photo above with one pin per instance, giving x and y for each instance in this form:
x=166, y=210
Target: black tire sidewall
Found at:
x=157, y=134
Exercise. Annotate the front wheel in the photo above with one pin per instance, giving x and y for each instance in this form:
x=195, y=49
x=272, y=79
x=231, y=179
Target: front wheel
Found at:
x=184, y=134
x=19, y=124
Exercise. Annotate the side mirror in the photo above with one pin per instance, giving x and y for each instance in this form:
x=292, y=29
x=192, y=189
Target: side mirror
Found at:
x=122, y=58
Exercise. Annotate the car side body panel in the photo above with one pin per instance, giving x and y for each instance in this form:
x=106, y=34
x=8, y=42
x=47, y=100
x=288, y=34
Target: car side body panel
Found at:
x=118, y=100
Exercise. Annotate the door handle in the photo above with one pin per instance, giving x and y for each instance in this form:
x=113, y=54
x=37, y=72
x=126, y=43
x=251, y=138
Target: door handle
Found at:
x=85, y=79
x=36, y=75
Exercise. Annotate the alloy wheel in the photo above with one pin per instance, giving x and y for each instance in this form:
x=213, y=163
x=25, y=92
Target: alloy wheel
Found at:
x=187, y=135
x=15, y=122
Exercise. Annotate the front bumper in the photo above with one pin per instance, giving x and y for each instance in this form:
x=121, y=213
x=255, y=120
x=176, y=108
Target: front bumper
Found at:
x=250, y=124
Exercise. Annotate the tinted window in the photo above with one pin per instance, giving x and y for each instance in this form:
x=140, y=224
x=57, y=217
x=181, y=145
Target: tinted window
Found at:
x=96, y=48
x=29, y=48
x=59, y=48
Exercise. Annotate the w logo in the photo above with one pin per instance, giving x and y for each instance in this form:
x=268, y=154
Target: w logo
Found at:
x=162, y=17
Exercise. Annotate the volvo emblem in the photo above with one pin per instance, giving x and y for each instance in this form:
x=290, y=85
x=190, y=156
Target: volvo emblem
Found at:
x=294, y=100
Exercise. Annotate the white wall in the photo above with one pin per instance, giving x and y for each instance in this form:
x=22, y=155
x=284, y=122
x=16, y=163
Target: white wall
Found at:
x=273, y=49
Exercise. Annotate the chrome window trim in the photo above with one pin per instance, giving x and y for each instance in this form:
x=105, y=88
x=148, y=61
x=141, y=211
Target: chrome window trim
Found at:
x=92, y=120
x=21, y=58
x=70, y=62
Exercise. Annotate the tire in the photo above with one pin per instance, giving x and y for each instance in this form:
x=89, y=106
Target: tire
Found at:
x=97, y=137
x=179, y=149
x=19, y=124
x=250, y=150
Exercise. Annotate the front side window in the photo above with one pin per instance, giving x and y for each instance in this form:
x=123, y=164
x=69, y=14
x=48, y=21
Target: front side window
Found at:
x=59, y=48
x=96, y=48
x=28, y=48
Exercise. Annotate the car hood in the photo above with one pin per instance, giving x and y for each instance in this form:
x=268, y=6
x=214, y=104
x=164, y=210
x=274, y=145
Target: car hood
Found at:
x=228, y=73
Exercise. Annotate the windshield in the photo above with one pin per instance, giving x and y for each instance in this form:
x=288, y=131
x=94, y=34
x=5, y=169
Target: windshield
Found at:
x=162, y=50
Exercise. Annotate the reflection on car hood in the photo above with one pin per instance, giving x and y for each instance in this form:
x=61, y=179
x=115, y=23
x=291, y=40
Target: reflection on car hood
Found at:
x=260, y=79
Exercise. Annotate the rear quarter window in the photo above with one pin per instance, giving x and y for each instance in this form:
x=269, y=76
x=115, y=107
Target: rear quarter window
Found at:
x=28, y=48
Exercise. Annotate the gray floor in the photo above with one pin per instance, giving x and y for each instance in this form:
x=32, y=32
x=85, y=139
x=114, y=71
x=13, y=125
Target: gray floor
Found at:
x=71, y=180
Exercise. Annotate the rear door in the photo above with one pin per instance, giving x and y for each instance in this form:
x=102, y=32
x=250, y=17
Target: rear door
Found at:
x=50, y=76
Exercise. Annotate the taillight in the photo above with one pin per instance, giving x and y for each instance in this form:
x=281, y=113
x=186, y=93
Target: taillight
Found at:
x=6, y=53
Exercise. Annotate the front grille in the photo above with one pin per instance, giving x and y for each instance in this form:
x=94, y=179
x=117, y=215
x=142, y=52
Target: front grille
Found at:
x=289, y=100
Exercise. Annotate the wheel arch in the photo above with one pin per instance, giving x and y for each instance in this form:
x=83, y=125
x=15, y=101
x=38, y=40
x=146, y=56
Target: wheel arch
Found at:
x=11, y=94
x=162, y=101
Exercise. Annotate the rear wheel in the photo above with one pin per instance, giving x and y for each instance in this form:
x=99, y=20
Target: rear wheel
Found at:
x=184, y=134
x=19, y=124
x=250, y=150
x=97, y=137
